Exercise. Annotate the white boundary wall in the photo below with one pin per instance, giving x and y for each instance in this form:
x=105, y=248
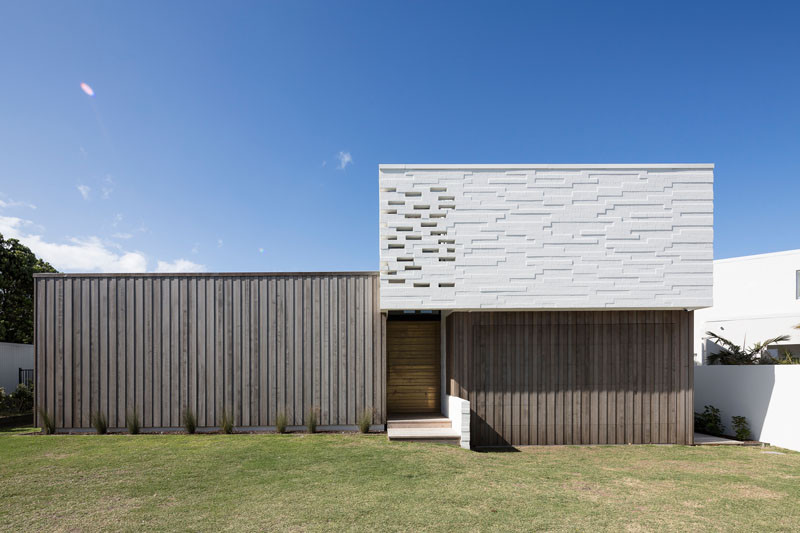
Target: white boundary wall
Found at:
x=13, y=357
x=769, y=396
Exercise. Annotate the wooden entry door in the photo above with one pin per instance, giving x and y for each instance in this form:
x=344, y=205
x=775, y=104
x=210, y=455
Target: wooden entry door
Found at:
x=413, y=366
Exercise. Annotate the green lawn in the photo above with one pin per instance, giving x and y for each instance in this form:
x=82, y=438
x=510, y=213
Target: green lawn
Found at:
x=358, y=482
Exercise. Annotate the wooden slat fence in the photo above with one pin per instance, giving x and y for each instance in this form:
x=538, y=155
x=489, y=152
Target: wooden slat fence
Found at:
x=252, y=345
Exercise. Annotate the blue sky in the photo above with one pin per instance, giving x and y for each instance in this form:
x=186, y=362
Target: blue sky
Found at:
x=218, y=131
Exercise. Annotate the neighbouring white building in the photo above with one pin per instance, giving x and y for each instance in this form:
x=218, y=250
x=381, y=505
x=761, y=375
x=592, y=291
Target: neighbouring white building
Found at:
x=756, y=297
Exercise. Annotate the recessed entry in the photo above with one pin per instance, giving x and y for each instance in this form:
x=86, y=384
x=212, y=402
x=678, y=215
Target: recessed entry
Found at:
x=422, y=284
x=413, y=194
x=447, y=284
x=429, y=224
x=438, y=189
x=396, y=280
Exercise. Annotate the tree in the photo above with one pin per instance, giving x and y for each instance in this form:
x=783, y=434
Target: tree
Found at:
x=733, y=354
x=17, y=267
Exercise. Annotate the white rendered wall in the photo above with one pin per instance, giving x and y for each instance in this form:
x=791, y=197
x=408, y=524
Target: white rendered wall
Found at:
x=546, y=236
x=768, y=396
x=13, y=357
x=755, y=298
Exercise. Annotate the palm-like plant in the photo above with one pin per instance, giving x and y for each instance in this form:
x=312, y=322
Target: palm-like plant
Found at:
x=732, y=354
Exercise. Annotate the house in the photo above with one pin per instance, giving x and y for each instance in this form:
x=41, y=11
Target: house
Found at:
x=529, y=304
x=16, y=365
x=756, y=297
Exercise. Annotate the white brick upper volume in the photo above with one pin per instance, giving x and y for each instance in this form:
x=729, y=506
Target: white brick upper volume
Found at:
x=546, y=236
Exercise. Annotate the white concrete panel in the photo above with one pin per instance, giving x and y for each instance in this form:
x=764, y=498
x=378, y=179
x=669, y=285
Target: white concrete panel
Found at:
x=546, y=236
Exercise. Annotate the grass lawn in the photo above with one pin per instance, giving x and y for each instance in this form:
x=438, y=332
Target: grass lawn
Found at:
x=359, y=482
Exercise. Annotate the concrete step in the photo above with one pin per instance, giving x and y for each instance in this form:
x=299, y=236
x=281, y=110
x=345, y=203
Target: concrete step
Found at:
x=419, y=422
x=426, y=434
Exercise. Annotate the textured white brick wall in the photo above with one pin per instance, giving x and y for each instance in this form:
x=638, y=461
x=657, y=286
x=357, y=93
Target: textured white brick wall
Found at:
x=546, y=236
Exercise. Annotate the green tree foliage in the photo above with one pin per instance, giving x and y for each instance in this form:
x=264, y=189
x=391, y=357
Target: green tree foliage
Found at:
x=17, y=267
x=729, y=353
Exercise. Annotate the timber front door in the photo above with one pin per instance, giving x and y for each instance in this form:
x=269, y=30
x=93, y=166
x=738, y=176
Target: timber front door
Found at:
x=413, y=366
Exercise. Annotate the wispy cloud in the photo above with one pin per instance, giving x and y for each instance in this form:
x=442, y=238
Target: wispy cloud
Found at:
x=87, y=254
x=122, y=235
x=108, y=187
x=84, y=190
x=10, y=202
x=179, y=265
x=219, y=243
x=344, y=159
x=117, y=220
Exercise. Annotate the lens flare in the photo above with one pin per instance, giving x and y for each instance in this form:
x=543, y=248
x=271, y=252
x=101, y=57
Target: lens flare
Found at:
x=88, y=90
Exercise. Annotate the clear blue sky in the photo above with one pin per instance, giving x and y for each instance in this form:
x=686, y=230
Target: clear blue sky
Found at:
x=216, y=129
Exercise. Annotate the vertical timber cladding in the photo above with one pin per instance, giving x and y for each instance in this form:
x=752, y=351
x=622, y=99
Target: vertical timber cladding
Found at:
x=251, y=345
x=582, y=377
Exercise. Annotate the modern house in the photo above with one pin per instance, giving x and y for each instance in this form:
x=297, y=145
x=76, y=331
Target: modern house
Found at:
x=528, y=304
x=756, y=297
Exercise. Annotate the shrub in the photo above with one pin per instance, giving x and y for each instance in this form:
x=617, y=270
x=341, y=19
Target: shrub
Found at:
x=48, y=424
x=311, y=420
x=132, y=422
x=365, y=420
x=189, y=421
x=226, y=423
x=280, y=423
x=100, y=423
x=741, y=427
x=19, y=401
x=709, y=421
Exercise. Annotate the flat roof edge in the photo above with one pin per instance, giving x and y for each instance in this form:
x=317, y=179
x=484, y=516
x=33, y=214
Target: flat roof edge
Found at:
x=199, y=274
x=588, y=166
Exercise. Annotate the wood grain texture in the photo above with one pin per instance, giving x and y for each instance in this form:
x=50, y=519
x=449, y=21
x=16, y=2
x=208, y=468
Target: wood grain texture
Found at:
x=571, y=377
x=414, y=366
x=255, y=346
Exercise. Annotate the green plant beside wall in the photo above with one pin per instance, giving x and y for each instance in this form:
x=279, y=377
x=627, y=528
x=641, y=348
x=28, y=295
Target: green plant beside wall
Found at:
x=729, y=353
x=226, y=423
x=365, y=421
x=741, y=427
x=281, y=422
x=189, y=421
x=100, y=423
x=48, y=423
x=132, y=422
x=311, y=420
x=709, y=421
x=18, y=402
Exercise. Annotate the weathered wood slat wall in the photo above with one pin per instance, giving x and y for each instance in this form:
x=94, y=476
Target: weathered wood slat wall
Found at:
x=609, y=377
x=251, y=345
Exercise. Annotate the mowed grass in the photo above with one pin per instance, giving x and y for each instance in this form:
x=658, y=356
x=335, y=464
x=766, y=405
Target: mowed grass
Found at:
x=362, y=482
